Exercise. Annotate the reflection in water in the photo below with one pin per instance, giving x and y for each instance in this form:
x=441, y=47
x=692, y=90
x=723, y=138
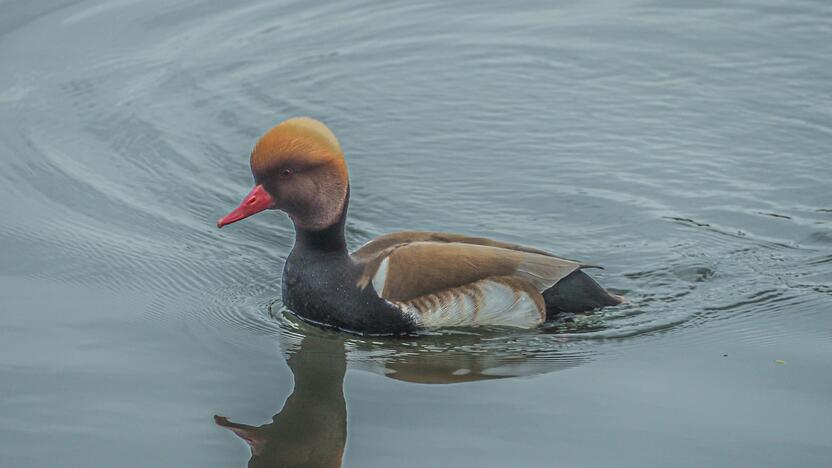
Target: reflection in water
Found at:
x=311, y=429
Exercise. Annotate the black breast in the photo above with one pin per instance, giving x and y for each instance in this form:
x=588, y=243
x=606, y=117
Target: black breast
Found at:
x=321, y=287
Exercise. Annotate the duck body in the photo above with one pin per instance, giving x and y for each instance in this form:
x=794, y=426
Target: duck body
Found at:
x=324, y=284
x=401, y=282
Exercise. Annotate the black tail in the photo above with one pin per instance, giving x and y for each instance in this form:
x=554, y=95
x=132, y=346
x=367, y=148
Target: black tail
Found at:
x=578, y=292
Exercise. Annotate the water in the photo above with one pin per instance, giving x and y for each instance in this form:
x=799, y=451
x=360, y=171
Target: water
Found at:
x=684, y=146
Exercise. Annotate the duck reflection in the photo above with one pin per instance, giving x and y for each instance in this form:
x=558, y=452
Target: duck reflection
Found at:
x=311, y=429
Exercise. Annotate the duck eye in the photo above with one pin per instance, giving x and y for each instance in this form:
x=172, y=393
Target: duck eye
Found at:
x=287, y=172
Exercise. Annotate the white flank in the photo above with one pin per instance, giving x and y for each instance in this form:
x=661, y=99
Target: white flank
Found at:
x=381, y=276
x=499, y=304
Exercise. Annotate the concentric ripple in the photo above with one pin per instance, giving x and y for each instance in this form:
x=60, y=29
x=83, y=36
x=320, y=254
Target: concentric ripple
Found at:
x=117, y=164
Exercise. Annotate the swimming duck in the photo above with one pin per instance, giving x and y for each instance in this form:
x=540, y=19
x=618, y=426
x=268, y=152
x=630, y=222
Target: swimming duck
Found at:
x=401, y=282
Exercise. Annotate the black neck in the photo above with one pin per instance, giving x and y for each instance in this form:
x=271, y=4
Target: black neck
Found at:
x=330, y=239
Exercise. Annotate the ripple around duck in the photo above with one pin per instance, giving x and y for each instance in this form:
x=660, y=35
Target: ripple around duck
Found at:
x=130, y=157
x=242, y=286
x=449, y=356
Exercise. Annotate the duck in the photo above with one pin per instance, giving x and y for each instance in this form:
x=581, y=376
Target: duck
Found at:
x=403, y=282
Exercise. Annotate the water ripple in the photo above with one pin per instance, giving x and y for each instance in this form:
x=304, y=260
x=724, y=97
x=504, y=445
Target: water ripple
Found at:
x=702, y=194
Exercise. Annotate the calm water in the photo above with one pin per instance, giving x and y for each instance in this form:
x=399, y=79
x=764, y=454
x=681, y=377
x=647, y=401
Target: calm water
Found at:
x=686, y=146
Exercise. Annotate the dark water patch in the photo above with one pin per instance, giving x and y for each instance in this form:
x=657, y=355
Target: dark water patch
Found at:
x=821, y=237
x=775, y=215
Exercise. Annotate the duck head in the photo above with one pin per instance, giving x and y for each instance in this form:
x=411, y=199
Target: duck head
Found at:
x=299, y=168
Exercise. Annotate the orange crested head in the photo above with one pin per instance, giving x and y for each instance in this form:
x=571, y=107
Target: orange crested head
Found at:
x=298, y=167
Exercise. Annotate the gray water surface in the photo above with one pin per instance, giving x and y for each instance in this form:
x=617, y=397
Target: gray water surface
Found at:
x=685, y=146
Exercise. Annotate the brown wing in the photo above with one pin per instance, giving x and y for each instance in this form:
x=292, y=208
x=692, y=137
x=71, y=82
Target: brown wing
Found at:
x=373, y=248
x=404, y=271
